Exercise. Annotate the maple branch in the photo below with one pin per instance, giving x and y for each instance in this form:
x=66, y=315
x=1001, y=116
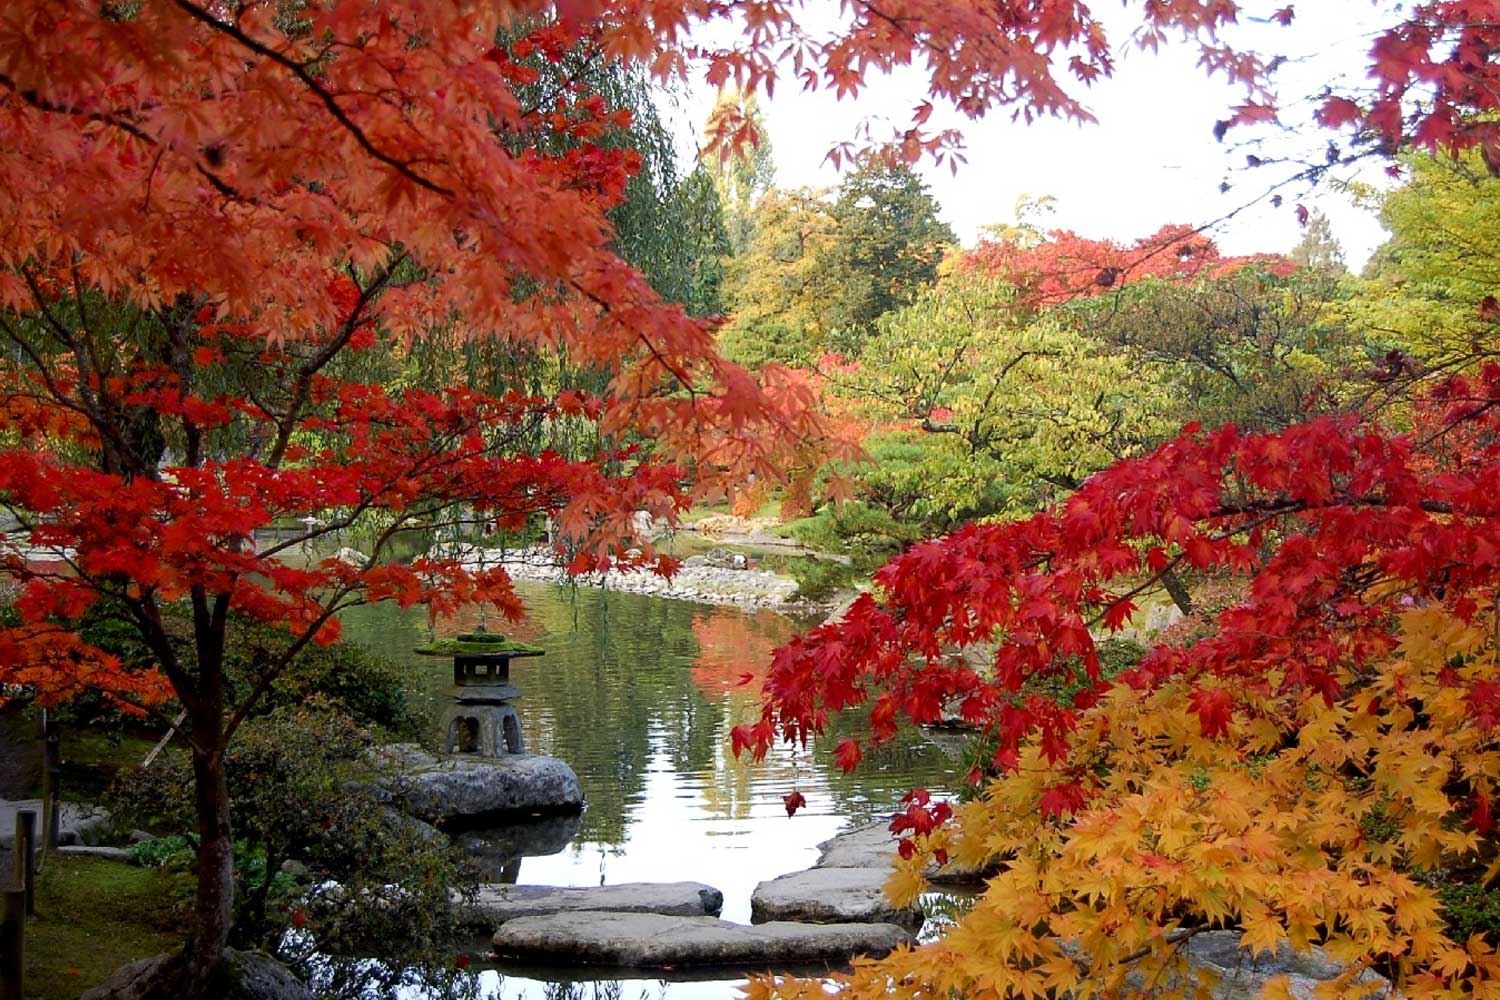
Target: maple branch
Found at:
x=302, y=382
x=55, y=391
x=181, y=362
x=334, y=605
x=326, y=96
x=94, y=407
x=142, y=608
x=34, y=99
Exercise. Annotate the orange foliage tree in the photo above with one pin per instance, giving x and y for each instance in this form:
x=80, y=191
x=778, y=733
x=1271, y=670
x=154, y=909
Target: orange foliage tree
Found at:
x=1062, y=266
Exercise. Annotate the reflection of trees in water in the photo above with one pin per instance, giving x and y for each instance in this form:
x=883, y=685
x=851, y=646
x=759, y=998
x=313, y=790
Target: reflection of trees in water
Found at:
x=732, y=644
x=601, y=991
x=885, y=773
x=613, y=689
x=628, y=677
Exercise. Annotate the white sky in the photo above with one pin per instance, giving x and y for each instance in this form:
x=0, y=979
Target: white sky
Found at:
x=1150, y=160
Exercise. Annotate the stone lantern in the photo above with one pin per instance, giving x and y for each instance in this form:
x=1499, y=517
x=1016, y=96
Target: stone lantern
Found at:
x=481, y=719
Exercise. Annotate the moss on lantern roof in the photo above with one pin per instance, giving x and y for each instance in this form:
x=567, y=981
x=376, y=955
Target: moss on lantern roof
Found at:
x=478, y=644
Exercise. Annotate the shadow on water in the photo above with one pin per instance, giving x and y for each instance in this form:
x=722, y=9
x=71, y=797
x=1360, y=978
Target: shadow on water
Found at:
x=638, y=695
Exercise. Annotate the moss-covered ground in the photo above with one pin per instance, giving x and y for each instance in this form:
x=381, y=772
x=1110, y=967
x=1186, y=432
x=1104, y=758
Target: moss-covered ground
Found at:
x=94, y=915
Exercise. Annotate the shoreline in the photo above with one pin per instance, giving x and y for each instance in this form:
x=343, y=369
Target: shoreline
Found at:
x=696, y=581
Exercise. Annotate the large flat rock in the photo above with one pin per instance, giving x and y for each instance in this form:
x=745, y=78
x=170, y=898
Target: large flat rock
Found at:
x=464, y=790
x=646, y=940
x=831, y=896
x=870, y=846
x=500, y=903
x=874, y=846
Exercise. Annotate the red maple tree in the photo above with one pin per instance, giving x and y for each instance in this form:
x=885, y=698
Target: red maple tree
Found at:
x=1063, y=266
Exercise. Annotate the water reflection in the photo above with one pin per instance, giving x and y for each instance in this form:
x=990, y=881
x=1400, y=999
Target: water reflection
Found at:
x=638, y=694
x=498, y=852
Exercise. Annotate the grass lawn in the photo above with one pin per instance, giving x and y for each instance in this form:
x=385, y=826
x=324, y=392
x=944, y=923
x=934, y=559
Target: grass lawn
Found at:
x=93, y=916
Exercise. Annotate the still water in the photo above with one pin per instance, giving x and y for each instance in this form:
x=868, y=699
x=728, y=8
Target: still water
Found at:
x=638, y=694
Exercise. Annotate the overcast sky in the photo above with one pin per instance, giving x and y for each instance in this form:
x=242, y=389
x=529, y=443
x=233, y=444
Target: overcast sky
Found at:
x=1152, y=158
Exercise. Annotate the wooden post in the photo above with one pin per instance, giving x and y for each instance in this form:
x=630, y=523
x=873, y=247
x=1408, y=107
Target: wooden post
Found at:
x=26, y=857
x=51, y=778
x=12, y=944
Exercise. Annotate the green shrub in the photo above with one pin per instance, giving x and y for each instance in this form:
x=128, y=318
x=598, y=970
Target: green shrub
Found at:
x=302, y=789
x=370, y=689
x=820, y=579
x=163, y=852
x=851, y=527
x=1470, y=908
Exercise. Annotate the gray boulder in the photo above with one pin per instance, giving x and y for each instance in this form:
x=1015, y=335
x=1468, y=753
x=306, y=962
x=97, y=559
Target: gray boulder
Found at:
x=247, y=975
x=495, y=904
x=1243, y=974
x=465, y=790
x=648, y=940
x=79, y=823
x=831, y=896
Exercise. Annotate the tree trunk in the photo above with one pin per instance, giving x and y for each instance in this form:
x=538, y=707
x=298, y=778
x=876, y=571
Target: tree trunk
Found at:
x=214, y=907
x=1178, y=591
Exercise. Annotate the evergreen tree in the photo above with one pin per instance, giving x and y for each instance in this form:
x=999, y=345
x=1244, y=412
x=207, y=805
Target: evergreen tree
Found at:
x=1318, y=248
x=890, y=243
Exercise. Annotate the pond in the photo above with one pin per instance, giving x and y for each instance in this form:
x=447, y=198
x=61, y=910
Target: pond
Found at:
x=638, y=694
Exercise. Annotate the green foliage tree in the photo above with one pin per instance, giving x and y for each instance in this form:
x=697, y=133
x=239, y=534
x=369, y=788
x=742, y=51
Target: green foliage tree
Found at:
x=818, y=273
x=664, y=225
x=780, y=292
x=1003, y=410
x=1259, y=347
x=890, y=243
x=1427, y=287
x=986, y=405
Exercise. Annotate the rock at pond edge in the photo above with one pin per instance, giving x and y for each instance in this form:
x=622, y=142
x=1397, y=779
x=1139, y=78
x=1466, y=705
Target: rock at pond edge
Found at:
x=463, y=790
x=250, y=975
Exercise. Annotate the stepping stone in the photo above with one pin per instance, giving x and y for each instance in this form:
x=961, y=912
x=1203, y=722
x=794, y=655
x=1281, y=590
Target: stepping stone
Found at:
x=831, y=896
x=874, y=846
x=870, y=846
x=497, y=904
x=651, y=940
